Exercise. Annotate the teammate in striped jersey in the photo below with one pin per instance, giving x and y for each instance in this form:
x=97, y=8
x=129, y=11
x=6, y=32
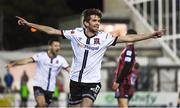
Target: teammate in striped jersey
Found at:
x=48, y=66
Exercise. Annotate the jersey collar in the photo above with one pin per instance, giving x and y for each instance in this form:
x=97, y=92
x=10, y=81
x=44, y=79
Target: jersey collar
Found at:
x=87, y=35
x=51, y=57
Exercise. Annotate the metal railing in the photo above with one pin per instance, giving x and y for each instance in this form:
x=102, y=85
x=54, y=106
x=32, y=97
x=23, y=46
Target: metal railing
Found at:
x=161, y=78
x=158, y=14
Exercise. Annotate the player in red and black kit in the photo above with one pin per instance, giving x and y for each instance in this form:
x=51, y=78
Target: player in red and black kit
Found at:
x=125, y=75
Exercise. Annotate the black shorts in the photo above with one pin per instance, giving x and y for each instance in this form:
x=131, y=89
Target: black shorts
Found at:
x=38, y=91
x=78, y=91
x=125, y=91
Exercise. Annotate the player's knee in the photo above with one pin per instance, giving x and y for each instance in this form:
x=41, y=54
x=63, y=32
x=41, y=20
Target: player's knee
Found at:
x=124, y=104
x=41, y=105
x=87, y=102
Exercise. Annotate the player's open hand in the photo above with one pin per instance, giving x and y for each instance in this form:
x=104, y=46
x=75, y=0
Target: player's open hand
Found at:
x=115, y=85
x=158, y=34
x=21, y=21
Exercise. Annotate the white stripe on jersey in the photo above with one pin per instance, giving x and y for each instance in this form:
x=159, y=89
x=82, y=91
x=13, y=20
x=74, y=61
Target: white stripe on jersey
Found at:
x=95, y=52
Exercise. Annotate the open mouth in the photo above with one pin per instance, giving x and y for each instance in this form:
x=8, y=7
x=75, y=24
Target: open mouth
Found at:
x=96, y=27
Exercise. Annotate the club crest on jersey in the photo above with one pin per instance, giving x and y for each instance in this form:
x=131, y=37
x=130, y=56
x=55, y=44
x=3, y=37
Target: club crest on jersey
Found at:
x=96, y=41
x=72, y=32
x=57, y=62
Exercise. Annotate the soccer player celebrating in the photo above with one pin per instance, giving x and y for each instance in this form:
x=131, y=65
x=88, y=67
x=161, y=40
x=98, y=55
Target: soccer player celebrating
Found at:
x=48, y=65
x=89, y=46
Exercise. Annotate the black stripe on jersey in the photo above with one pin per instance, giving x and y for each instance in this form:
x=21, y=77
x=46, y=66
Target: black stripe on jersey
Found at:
x=115, y=40
x=49, y=75
x=84, y=61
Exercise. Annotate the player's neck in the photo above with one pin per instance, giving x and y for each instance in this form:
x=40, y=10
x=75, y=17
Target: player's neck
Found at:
x=89, y=33
x=51, y=55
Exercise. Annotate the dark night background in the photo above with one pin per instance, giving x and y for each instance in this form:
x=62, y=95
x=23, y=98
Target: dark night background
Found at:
x=45, y=12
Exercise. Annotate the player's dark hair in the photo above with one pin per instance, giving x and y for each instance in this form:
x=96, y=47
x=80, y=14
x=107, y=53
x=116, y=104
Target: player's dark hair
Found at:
x=88, y=12
x=131, y=31
x=52, y=40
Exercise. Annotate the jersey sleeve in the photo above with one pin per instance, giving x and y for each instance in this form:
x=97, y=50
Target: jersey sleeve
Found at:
x=111, y=40
x=64, y=63
x=36, y=57
x=68, y=33
x=128, y=63
x=117, y=69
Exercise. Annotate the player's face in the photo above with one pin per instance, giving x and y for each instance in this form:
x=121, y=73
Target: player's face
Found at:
x=94, y=23
x=55, y=47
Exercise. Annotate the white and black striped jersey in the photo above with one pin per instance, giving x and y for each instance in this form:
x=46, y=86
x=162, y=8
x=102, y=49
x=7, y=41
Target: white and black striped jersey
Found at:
x=88, y=54
x=47, y=69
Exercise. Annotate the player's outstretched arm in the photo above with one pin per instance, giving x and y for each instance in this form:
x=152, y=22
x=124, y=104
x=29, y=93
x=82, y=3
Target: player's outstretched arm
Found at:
x=46, y=29
x=140, y=37
x=20, y=62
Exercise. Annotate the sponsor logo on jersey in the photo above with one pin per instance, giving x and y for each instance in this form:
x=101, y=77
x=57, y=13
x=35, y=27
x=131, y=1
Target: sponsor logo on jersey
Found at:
x=86, y=46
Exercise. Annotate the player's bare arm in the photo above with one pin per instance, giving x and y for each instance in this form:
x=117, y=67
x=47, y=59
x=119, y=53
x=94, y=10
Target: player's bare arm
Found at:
x=140, y=37
x=46, y=29
x=115, y=85
x=124, y=73
x=20, y=62
x=68, y=69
